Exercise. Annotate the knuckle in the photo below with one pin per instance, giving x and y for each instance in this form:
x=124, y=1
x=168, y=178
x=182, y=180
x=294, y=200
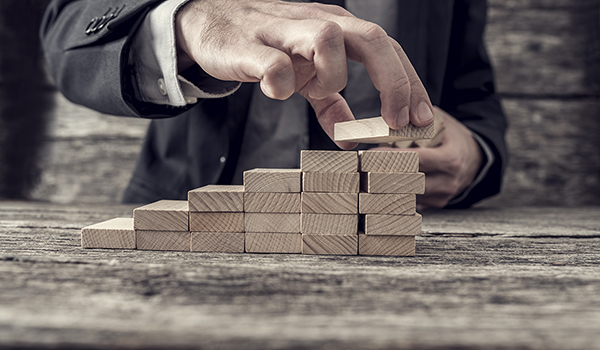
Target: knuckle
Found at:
x=374, y=34
x=330, y=34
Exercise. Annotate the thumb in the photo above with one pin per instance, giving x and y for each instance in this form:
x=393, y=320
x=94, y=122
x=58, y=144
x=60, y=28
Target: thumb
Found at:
x=330, y=110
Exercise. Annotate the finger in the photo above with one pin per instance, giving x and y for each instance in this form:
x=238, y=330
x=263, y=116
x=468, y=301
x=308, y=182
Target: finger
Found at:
x=330, y=110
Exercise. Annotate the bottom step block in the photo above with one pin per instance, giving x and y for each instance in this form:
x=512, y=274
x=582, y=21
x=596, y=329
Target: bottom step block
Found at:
x=218, y=242
x=267, y=242
x=386, y=245
x=163, y=240
x=330, y=244
x=115, y=233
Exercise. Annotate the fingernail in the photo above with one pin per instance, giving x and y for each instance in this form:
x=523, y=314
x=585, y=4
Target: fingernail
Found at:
x=402, y=118
x=424, y=113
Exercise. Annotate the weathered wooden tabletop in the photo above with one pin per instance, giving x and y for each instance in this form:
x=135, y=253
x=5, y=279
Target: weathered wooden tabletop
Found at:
x=526, y=278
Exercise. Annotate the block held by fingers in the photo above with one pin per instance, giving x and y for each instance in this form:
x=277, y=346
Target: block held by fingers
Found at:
x=376, y=130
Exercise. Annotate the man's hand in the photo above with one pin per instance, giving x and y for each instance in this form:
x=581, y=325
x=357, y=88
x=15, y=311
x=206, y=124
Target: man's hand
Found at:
x=301, y=47
x=449, y=168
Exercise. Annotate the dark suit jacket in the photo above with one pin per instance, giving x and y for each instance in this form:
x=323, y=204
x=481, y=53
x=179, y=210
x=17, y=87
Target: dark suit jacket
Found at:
x=443, y=39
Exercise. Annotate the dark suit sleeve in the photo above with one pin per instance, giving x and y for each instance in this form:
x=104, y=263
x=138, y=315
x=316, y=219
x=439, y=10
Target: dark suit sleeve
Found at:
x=469, y=96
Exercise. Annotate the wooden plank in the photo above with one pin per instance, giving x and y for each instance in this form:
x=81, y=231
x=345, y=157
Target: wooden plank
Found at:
x=329, y=224
x=216, y=222
x=388, y=161
x=271, y=202
x=217, y=198
x=393, y=225
x=386, y=245
x=329, y=203
x=219, y=242
x=117, y=233
x=272, y=180
x=393, y=183
x=375, y=203
x=376, y=130
x=329, y=161
x=164, y=215
x=329, y=244
x=272, y=222
x=273, y=242
x=163, y=240
x=331, y=182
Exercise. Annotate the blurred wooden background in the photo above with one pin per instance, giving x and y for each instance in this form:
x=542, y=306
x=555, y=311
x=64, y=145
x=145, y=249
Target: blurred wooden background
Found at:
x=546, y=54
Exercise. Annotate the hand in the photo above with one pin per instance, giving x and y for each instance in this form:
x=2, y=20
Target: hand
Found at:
x=450, y=167
x=301, y=47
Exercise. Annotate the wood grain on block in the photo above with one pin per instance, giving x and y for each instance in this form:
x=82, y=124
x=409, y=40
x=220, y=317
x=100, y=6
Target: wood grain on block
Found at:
x=331, y=182
x=393, y=225
x=273, y=242
x=388, y=161
x=216, y=222
x=164, y=215
x=219, y=242
x=272, y=222
x=163, y=240
x=329, y=224
x=329, y=244
x=117, y=233
x=219, y=198
x=393, y=183
x=386, y=245
x=329, y=161
x=271, y=202
x=329, y=203
x=272, y=180
x=376, y=130
x=398, y=204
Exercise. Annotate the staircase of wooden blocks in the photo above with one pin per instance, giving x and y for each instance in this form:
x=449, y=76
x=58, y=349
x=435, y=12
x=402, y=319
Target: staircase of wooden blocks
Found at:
x=337, y=203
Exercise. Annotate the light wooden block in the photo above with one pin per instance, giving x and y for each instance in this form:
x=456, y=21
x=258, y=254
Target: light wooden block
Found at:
x=388, y=161
x=218, y=242
x=272, y=180
x=216, y=222
x=329, y=244
x=164, y=215
x=393, y=225
x=329, y=161
x=376, y=130
x=331, y=182
x=329, y=224
x=393, y=183
x=271, y=202
x=272, y=222
x=386, y=245
x=329, y=203
x=115, y=233
x=163, y=240
x=272, y=242
x=386, y=204
x=219, y=198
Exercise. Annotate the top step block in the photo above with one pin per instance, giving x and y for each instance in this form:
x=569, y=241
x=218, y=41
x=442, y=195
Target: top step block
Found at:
x=388, y=161
x=329, y=161
x=376, y=130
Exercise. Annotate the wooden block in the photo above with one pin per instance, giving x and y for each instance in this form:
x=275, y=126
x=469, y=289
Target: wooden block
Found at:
x=386, y=245
x=216, y=222
x=272, y=222
x=115, y=233
x=331, y=182
x=329, y=224
x=388, y=161
x=219, y=242
x=376, y=130
x=272, y=242
x=329, y=244
x=164, y=215
x=393, y=225
x=392, y=183
x=329, y=161
x=163, y=240
x=330, y=203
x=272, y=180
x=395, y=204
x=271, y=202
x=217, y=198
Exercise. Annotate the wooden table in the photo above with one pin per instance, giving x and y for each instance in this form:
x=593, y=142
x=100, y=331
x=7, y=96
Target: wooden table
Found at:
x=526, y=278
